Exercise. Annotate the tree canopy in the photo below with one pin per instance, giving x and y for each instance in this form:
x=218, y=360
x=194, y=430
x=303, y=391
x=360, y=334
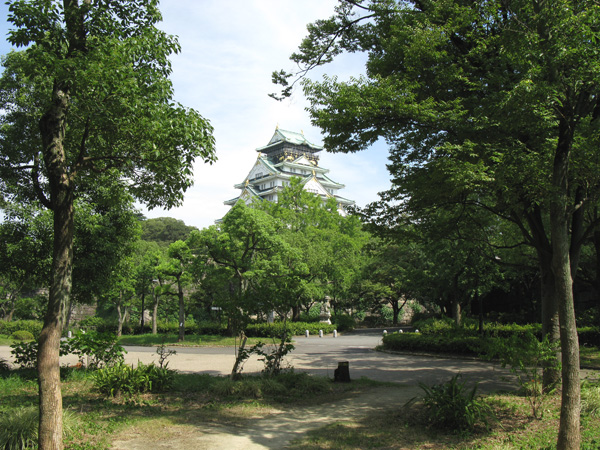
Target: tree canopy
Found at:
x=89, y=102
x=491, y=103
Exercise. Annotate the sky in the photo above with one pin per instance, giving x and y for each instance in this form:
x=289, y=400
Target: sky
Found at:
x=229, y=50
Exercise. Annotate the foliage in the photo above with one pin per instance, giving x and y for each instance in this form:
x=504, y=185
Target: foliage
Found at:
x=450, y=405
x=33, y=326
x=123, y=379
x=343, y=322
x=4, y=365
x=274, y=358
x=455, y=344
x=276, y=329
x=165, y=230
x=22, y=335
x=98, y=349
x=164, y=353
x=526, y=356
x=25, y=354
x=589, y=336
x=488, y=106
x=95, y=349
x=19, y=429
x=590, y=399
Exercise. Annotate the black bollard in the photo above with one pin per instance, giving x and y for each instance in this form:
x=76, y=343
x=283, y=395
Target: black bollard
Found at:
x=342, y=373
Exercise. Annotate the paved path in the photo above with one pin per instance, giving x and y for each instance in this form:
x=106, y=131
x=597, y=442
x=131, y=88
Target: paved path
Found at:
x=320, y=356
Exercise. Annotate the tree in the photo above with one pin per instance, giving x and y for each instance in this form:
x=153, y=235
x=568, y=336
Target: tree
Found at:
x=25, y=249
x=165, y=230
x=89, y=99
x=177, y=267
x=498, y=100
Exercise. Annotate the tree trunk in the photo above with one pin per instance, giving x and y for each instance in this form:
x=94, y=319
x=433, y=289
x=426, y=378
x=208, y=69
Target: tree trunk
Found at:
x=395, y=311
x=550, y=324
x=456, y=312
x=154, y=312
x=120, y=315
x=181, y=312
x=50, y=421
x=143, y=310
x=52, y=132
x=295, y=313
x=569, y=435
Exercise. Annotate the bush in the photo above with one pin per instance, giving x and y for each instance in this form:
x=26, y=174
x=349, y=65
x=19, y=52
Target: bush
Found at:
x=123, y=379
x=275, y=329
x=417, y=342
x=25, y=354
x=22, y=335
x=33, y=326
x=449, y=405
x=344, y=322
x=589, y=336
x=100, y=349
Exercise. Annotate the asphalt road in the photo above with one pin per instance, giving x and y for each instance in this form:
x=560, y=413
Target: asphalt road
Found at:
x=320, y=356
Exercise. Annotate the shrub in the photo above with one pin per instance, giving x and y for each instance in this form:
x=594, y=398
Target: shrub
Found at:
x=417, y=342
x=526, y=356
x=344, y=322
x=25, y=354
x=100, y=349
x=123, y=379
x=450, y=405
x=589, y=336
x=33, y=326
x=293, y=329
x=22, y=335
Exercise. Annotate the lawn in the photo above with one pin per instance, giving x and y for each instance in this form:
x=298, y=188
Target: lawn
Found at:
x=200, y=402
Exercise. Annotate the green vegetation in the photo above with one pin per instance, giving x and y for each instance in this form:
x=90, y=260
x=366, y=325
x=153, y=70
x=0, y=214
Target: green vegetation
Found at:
x=452, y=406
x=192, y=340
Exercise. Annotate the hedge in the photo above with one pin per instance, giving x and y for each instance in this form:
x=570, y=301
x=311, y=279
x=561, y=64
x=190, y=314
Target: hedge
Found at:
x=33, y=326
x=417, y=342
x=294, y=328
x=470, y=344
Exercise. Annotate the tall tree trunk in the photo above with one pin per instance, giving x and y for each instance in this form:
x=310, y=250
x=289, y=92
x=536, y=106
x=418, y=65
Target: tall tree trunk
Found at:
x=154, y=311
x=569, y=436
x=181, y=311
x=52, y=131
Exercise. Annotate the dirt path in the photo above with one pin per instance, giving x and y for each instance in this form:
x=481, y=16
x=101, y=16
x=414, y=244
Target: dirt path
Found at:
x=273, y=431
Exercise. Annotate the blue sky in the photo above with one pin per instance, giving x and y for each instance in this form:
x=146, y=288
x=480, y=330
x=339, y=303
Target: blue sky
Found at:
x=229, y=50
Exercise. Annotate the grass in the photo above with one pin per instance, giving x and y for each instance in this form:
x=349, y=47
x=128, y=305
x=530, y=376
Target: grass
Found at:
x=590, y=357
x=218, y=401
x=192, y=340
x=405, y=428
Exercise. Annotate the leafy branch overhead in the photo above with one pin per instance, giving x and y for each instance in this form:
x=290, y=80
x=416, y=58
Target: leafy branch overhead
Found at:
x=326, y=39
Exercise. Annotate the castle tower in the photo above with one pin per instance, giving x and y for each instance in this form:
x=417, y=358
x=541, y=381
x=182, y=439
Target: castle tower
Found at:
x=288, y=155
